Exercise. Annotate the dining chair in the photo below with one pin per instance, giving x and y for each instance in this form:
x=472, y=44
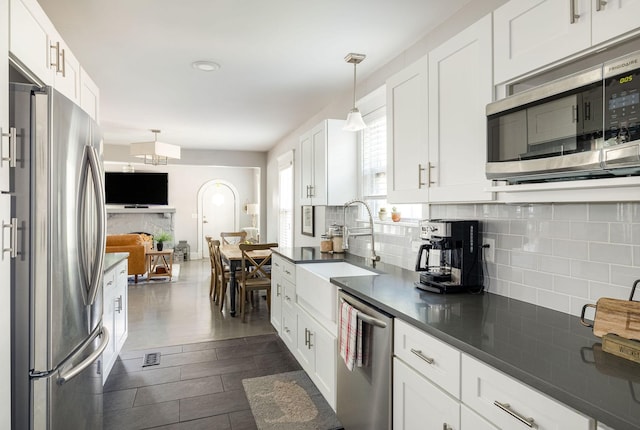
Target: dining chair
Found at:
x=214, y=288
x=233, y=237
x=223, y=274
x=255, y=272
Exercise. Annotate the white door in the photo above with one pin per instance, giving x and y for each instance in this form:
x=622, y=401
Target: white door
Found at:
x=613, y=18
x=219, y=212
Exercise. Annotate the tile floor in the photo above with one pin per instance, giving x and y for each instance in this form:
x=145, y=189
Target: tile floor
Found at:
x=205, y=354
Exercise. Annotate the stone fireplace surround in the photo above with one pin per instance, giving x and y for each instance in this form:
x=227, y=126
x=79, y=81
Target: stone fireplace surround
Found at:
x=151, y=220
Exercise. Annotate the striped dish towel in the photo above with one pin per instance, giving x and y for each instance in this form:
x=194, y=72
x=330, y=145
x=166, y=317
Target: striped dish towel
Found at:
x=348, y=326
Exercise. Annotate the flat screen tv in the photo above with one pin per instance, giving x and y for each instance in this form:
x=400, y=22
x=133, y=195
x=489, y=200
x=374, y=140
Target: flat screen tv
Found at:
x=136, y=189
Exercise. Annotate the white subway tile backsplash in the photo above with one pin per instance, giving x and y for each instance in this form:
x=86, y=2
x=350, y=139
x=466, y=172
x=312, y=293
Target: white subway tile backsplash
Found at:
x=536, y=279
x=559, y=256
x=524, y=260
x=592, y=231
x=571, y=286
x=624, y=275
x=621, y=233
x=571, y=249
x=610, y=253
x=570, y=212
x=589, y=270
x=552, y=300
x=558, y=265
x=597, y=290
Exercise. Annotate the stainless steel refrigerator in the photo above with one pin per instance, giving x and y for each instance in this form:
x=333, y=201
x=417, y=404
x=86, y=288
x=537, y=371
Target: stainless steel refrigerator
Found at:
x=56, y=284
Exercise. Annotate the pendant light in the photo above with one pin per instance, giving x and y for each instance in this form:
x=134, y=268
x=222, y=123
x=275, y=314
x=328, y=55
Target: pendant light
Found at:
x=354, y=119
x=156, y=153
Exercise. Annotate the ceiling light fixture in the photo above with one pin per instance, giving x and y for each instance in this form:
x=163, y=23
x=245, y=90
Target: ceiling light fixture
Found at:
x=354, y=119
x=206, y=66
x=156, y=153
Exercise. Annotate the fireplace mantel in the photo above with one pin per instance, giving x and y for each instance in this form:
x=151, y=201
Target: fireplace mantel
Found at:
x=118, y=209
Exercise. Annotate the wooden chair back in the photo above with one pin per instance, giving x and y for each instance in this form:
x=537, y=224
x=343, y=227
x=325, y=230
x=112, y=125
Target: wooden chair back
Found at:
x=255, y=272
x=233, y=237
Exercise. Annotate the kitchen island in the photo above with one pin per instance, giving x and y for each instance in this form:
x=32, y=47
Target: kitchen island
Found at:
x=545, y=349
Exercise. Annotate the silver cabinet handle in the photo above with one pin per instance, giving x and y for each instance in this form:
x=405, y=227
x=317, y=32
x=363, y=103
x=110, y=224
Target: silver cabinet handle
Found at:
x=109, y=283
x=446, y=426
x=13, y=238
x=429, y=167
x=122, y=272
x=572, y=11
x=310, y=345
x=420, y=169
x=529, y=422
x=59, y=58
x=600, y=4
x=11, y=158
x=287, y=298
x=119, y=304
x=287, y=272
x=277, y=290
x=306, y=337
x=312, y=191
x=286, y=329
x=423, y=357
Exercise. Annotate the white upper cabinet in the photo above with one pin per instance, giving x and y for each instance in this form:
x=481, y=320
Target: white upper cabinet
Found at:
x=328, y=164
x=37, y=46
x=407, y=148
x=29, y=31
x=529, y=34
x=457, y=121
x=532, y=33
x=611, y=18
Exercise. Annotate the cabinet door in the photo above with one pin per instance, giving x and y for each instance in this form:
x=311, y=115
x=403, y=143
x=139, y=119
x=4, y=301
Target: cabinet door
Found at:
x=89, y=95
x=120, y=304
x=418, y=404
x=613, y=18
x=469, y=420
x=529, y=34
x=5, y=307
x=319, y=182
x=306, y=168
x=108, y=321
x=29, y=30
x=277, y=292
x=407, y=149
x=457, y=120
x=305, y=353
x=66, y=77
x=289, y=331
x=324, y=346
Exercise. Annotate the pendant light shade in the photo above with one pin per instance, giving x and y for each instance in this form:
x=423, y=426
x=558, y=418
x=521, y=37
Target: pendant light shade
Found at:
x=156, y=153
x=354, y=119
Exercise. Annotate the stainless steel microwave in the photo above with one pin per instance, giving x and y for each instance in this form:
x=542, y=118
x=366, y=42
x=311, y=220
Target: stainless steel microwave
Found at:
x=585, y=125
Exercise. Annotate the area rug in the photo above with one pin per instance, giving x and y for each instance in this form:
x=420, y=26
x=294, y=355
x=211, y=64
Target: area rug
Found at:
x=143, y=278
x=289, y=401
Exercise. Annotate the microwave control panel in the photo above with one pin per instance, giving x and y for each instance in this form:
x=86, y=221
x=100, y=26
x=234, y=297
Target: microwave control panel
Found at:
x=622, y=95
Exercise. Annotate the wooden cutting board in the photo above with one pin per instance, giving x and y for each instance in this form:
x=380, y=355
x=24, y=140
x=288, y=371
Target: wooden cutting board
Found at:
x=621, y=317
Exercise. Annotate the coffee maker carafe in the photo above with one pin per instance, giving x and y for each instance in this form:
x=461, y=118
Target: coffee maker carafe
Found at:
x=449, y=260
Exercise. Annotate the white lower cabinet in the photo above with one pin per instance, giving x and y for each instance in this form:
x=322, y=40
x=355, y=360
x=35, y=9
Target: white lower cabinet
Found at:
x=469, y=420
x=114, y=317
x=419, y=404
x=316, y=352
x=508, y=403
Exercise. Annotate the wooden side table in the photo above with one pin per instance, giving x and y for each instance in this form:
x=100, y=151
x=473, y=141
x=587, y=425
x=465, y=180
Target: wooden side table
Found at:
x=159, y=263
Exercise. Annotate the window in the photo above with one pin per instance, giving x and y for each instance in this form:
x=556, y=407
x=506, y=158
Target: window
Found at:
x=374, y=158
x=285, y=191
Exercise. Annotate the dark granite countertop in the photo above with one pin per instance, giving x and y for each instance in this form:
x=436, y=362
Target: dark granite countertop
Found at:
x=548, y=350
x=113, y=258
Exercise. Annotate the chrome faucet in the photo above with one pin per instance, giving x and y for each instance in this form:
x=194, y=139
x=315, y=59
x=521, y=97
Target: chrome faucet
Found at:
x=358, y=230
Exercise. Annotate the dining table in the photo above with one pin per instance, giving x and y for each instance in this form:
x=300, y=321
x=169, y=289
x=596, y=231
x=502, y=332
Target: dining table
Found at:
x=232, y=257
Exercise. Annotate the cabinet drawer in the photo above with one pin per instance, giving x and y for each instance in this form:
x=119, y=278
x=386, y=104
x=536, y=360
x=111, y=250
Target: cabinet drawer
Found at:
x=429, y=356
x=483, y=387
x=286, y=268
x=288, y=295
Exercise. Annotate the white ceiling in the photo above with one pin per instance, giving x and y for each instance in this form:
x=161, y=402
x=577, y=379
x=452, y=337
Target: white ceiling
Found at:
x=282, y=61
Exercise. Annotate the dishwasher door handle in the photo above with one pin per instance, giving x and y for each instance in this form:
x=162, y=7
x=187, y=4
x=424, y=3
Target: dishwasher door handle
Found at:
x=364, y=317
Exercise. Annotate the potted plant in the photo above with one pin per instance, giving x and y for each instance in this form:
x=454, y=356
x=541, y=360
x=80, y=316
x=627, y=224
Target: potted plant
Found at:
x=160, y=238
x=395, y=214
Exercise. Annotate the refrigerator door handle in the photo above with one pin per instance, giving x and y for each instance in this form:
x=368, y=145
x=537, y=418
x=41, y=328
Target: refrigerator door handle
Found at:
x=76, y=370
x=98, y=187
x=92, y=274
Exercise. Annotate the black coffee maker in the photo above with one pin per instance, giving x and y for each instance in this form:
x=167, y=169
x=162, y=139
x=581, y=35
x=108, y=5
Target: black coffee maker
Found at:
x=450, y=260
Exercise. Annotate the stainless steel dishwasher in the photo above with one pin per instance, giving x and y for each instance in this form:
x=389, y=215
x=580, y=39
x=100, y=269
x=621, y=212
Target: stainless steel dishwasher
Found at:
x=364, y=394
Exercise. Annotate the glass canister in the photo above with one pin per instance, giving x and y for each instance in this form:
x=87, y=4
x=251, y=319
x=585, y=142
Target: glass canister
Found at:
x=337, y=244
x=326, y=244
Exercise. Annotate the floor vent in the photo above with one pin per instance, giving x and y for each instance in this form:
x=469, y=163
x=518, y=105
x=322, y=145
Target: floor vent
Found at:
x=151, y=359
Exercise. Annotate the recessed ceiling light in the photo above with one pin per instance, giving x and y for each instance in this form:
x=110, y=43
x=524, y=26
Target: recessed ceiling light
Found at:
x=206, y=66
